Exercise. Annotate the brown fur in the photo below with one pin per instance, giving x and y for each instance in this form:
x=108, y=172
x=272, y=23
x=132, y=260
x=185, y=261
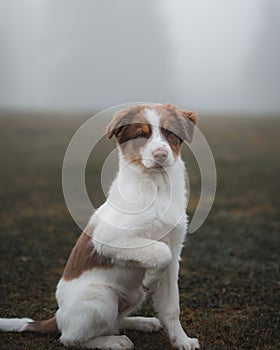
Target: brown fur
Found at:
x=132, y=139
x=83, y=257
x=47, y=326
x=181, y=123
x=126, y=116
x=132, y=131
x=172, y=130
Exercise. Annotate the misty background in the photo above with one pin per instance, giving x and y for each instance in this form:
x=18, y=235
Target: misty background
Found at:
x=61, y=61
x=69, y=55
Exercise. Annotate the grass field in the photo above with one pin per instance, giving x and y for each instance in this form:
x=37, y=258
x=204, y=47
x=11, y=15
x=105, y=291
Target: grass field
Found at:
x=229, y=280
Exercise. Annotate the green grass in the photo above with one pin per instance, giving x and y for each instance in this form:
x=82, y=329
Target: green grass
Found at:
x=229, y=281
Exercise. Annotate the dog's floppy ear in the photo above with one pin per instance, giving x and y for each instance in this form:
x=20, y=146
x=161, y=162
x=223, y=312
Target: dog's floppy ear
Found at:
x=189, y=121
x=120, y=119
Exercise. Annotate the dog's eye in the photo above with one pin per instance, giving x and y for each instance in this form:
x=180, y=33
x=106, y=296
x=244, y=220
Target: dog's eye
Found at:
x=168, y=132
x=141, y=134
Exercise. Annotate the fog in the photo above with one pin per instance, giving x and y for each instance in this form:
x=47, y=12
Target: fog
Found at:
x=70, y=55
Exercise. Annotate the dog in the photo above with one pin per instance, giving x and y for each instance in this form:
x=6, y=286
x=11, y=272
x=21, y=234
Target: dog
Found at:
x=131, y=245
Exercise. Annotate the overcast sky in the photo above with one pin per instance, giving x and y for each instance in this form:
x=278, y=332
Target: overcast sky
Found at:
x=215, y=56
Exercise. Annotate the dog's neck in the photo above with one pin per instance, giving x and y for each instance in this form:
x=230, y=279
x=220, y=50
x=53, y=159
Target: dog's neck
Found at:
x=166, y=184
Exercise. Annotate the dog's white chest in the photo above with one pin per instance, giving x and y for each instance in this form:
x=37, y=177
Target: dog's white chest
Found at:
x=149, y=205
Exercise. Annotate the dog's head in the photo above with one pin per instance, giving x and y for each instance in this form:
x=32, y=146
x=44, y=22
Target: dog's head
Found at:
x=152, y=135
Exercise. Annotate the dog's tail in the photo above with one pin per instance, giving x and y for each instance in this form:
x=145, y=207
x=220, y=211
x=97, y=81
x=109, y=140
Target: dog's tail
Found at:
x=26, y=324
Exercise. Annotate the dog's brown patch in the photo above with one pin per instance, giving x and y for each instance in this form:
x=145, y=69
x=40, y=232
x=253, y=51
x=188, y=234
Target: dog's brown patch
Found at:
x=171, y=130
x=180, y=122
x=139, y=131
x=84, y=257
x=132, y=130
x=146, y=129
x=44, y=327
x=125, y=118
x=132, y=140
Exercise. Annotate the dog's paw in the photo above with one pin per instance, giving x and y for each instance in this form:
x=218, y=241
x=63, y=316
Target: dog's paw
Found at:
x=121, y=342
x=143, y=324
x=116, y=342
x=149, y=324
x=185, y=343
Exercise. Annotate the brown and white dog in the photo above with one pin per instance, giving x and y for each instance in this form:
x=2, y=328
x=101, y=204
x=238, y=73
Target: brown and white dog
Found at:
x=132, y=243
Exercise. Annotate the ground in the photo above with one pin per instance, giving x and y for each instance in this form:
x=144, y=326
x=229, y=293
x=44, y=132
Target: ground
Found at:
x=229, y=279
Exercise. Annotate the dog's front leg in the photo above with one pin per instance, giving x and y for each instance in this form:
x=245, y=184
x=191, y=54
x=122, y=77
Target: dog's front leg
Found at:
x=166, y=301
x=126, y=248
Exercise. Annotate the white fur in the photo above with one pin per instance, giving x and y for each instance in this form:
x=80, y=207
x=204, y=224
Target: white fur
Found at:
x=157, y=141
x=141, y=228
x=14, y=324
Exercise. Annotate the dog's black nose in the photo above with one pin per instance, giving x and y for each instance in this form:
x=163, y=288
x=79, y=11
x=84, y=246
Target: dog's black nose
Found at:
x=160, y=156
